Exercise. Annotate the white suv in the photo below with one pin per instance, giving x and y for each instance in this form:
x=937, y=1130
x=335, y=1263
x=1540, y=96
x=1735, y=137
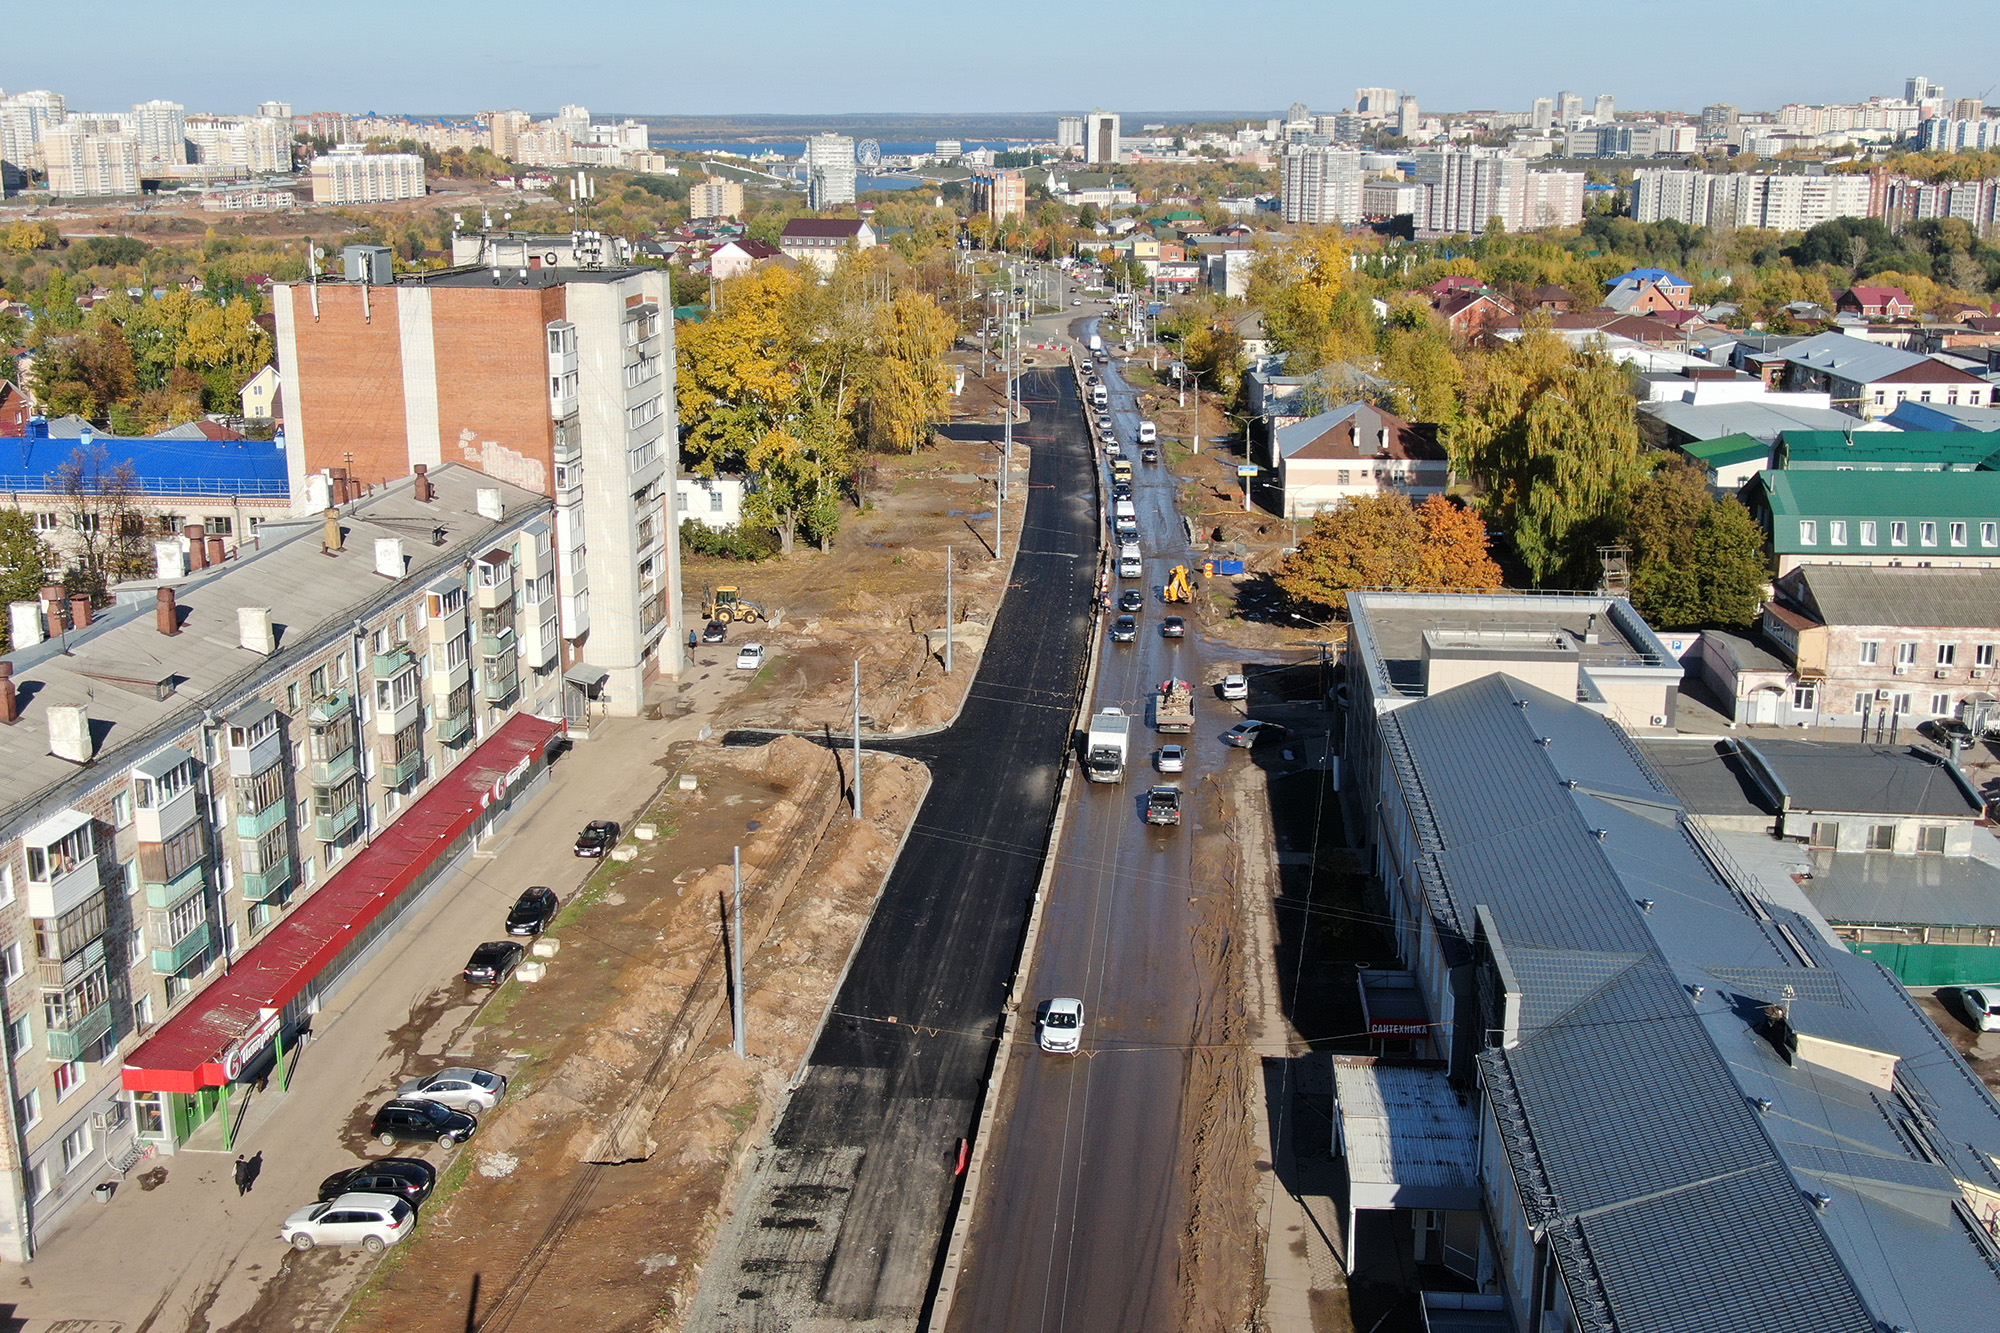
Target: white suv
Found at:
x=1235, y=685
x=372, y=1221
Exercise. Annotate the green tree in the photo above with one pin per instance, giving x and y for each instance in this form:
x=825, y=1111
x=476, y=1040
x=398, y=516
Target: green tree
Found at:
x=1417, y=357
x=25, y=560
x=1313, y=307
x=1696, y=561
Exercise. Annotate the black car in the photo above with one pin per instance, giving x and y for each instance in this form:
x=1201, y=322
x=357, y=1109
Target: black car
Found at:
x=714, y=632
x=1131, y=600
x=532, y=911
x=1163, y=805
x=493, y=962
x=1173, y=627
x=1124, y=629
x=597, y=837
x=1149, y=455
x=415, y=1118
x=408, y=1178
x=1946, y=732
x=1121, y=490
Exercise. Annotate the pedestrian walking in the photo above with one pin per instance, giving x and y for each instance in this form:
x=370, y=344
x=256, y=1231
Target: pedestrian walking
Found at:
x=242, y=1175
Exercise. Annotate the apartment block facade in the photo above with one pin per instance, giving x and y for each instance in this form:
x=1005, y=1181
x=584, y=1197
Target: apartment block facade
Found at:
x=160, y=823
x=1762, y=202
x=349, y=176
x=830, y=169
x=1470, y=187
x=1322, y=184
x=999, y=192
x=82, y=163
x=555, y=378
x=1100, y=137
x=715, y=198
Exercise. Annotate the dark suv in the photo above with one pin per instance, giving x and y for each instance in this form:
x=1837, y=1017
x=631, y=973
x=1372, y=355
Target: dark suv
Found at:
x=532, y=911
x=416, y=1118
x=408, y=1178
x=1124, y=629
x=597, y=838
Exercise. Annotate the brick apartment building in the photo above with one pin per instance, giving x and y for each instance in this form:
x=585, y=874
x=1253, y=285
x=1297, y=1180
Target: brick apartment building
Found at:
x=556, y=377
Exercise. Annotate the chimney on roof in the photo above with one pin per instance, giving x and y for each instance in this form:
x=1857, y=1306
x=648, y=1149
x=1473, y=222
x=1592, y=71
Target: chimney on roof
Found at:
x=422, y=487
x=197, y=550
x=389, y=557
x=331, y=541
x=53, y=596
x=216, y=555
x=489, y=503
x=79, y=610
x=10, y=703
x=340, y=490
x=253, y=629
x=24, y=622
x=166, y=615
x=69, y=734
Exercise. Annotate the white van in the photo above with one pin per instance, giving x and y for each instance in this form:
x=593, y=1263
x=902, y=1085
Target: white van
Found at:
x=1124, y=509
x=1148, y=433
x=1130, y=564
x=1097, y=395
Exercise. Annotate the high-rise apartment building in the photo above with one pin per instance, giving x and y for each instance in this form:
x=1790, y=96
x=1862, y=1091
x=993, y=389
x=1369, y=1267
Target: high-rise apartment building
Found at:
x=1298, y=113
x=161, y=129
x=829, y=168
x=241, y=145
x=713, y=197
x=1408, y=118
x=1321, y=185
x=556, y=377
x=1543, y=115
x=1376, y=102
x=348, y=175
x=1763, y=202
x=504, y=129
x=275, y=110
x=82, y=161
x=1470, y=187
x=998, y=192
x=1569, y=108
x=1717, y=120
x=1069, y=132
x=1917, y=88
x=1100, y=137
x=1606, y=110
x=24, y=119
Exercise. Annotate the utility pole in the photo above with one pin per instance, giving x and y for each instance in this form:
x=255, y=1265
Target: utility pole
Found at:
x=736, y=951
x=857, y=738
x=947, y=610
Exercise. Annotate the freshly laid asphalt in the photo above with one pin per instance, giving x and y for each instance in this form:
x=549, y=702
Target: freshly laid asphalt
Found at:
x=844, y=1212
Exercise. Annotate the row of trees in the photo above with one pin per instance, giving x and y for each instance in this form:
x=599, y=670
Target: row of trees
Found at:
x=142, y=365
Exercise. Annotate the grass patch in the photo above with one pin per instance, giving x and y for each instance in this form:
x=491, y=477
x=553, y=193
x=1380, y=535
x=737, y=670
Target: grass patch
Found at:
x=495, y=1010
x=449, y=1181
x=739, y=1117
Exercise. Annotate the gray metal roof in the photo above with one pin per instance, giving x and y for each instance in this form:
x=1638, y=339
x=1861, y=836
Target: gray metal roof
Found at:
x=1836, y=776
x=1851, y=358
x=1864, y=887
x=1628, y=1107
x=1905, y=597
x=1766, y=421
x=1708, y=777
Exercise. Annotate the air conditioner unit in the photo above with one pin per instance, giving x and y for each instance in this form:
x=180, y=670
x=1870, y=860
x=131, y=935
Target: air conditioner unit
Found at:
x=1979, y=673
x=1659, y=719
x=1944, y=673
x=1882, y=696
x=1902, y=668
x=111, y=1117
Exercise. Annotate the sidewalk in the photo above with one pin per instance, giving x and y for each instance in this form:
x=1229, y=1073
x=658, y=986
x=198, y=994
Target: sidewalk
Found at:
x=188, y=1252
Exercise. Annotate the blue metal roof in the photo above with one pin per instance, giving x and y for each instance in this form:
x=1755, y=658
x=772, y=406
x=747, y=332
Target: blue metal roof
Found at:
x=162, y=465
x=1668, y=276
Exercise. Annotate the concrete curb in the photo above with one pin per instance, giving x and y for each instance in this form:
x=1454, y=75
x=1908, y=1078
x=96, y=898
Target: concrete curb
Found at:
x=996, y=1081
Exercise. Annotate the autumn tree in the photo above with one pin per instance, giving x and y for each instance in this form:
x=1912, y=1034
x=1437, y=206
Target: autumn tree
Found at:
x=1696, y=561
x=1550, y=434
x=1418, y=360
x=1455, y=551
x=1384, y=541
x=103, y=504
x=1314, y=308
x=908, y=391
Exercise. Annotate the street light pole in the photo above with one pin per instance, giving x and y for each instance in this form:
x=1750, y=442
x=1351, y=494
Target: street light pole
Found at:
x=857, y=738
x=947, y=610
x=736, y=952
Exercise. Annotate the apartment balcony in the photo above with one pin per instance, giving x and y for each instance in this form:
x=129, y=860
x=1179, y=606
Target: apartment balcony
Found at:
x=268, y=882
x=496, y=643
x=454, y=727
x=329, y=709
x=395, y=660
x=499, y=681
x=333, y=771
x=329, y=827
x=250, y=827
x=403, y=770
x=71, y=1042
x=177, y=889
x=172, y=959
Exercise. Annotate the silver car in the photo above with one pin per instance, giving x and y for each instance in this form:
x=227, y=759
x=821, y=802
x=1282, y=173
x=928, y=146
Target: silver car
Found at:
x=475, y=1091
x=372, y=1221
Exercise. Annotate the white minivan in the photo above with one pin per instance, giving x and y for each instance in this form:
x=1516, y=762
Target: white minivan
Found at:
x=1148, y=432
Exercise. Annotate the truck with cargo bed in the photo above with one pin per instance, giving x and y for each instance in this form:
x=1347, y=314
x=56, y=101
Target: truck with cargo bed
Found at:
x=1173, y=707
x=1104, y=745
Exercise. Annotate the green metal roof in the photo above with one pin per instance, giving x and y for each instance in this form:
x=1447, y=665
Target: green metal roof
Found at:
x=1903, y=449
x=1727, y=450
x=1883, y=498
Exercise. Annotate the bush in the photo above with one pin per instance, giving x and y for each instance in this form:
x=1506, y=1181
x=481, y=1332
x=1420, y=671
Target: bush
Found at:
x=731, y=543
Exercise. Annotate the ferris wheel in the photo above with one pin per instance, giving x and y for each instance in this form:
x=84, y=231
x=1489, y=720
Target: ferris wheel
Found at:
x=868, y=154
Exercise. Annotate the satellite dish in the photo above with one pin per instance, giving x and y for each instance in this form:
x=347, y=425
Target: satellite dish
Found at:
x=868, y=153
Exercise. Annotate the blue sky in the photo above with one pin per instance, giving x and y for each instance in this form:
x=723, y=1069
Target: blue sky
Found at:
x=789, y=56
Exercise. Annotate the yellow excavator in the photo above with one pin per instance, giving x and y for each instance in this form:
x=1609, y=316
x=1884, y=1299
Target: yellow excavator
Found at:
x=726, y=603
x=1179, y=587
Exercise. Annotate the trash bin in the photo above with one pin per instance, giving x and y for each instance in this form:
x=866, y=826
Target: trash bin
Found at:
x=105, y=1190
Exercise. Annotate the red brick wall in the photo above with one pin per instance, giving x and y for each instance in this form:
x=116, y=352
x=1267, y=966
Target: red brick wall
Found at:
x=348, y=384
x=493, y=380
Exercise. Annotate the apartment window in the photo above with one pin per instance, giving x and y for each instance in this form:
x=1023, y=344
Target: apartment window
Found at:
x=1927, y=534
x=6, y=884
x=715, y=502
x=643, y=456
x=1836, y=532
x=20, y=1036
x=316, y=682
x=1930, y=838
x=149, y=1115
x=1867, y=532
x=562, y=476
x=1805, y=698
x=1808, y=532
x=1989, y=534
x=635, y=417
x=1871, y=652
x=1881, y=837
x=28, y=1109
x=1923, y=395
x=1940, y=705
x=292, y=697
x=10, y=963
x=1958, y=534
x=76, y=1147
x=220, y=526
x=180, y=853
x=1899, y=534
x=69, y=1077
x=1881, y=398
x=1982, y=655
x=1826, y=833
x=1903, y=701
x=47, y=522
x=1906, y=654
x=1947, y=654
x=121, y=808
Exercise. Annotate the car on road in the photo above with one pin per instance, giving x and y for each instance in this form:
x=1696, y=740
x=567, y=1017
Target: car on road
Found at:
x=414, y=1118
x=749, y=657
x=1236, y=685
x=714, y=631
x=462, y=1088
x=1171, y=759
x=408, y=1178
x=1121, y=490
x=1173, y=627
x=1124, y=629
x=493, y=962
x=1982, y=1007
x=1131, y=600
x=1246, y=734
x=1149, y=455
x=1062, y=1026
x=372, y=1221
x=532, y=911
x=1163, y=805
x=597, y=837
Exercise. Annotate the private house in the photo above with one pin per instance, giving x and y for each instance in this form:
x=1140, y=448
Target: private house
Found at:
x=1672, y=425
x=1865, y=379
x=1918, y=519
x=1556, y=300
x=1471, y=313
x=1668, y=285
x=259, y=397
x=713, y=502
x=1353, y=451
x=1729, y=462
x=734, y=258
x=1875, y=303
x=1646, y=296
x=15, y=410
x=821, y=241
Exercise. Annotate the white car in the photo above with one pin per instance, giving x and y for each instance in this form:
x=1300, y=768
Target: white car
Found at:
x=372, y=1221
x=750, y=656
x=1062, y=1026
x=1172, y=759
x=1236, y=685
x=1982, y=1007
x=475, y=1091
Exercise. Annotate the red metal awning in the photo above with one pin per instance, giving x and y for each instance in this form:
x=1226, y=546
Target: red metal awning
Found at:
x=205, y=1044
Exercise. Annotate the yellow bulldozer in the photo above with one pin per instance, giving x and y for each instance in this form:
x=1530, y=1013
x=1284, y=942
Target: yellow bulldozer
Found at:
x=1179, y=587
x=726, y=603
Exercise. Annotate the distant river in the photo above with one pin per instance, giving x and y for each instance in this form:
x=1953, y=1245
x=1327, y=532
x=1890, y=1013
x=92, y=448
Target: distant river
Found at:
x=797, y=149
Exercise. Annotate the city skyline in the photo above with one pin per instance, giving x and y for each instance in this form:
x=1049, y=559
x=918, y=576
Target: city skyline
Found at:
x=1454, y=55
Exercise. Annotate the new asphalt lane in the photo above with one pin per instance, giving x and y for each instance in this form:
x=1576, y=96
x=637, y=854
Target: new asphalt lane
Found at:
x=842, y=1215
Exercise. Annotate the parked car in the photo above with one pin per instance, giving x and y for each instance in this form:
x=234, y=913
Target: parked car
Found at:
x=408, y=1178
x=1062, y=1026
x=1163, y=805
x=474, y=1091
x=493, y=962
x=372, y=1221
x=532, y=911
x=1131, y=600
x=715, y=631
x=1172, y=759
x=1124, y=629
x=1173, y=627
x=597, y=838
x=1982, y=1007
x=750, y=656
x=1246, y=734
x=1946, y=731
x=1236, y=685
x=415, y=1118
